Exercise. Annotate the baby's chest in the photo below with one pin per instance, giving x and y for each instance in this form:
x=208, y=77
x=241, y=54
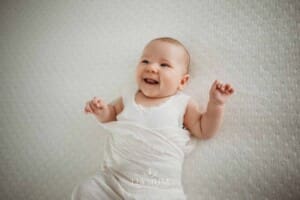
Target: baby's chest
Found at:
x=152, y=117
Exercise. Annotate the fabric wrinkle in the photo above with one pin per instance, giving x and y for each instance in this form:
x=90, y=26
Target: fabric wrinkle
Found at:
x=144, y=151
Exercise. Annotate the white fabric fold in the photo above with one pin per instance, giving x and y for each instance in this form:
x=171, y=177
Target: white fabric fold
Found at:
x=139, y=163
x=149, y=158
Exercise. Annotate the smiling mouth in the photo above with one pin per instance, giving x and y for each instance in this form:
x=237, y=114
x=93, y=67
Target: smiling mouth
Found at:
x=150, y=81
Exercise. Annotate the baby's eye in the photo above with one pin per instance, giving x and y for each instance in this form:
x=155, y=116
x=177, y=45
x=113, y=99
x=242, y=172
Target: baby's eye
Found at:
x=145, y=61
x=164, y=65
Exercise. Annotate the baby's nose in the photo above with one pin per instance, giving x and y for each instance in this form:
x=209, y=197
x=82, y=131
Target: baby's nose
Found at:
x=152, y=68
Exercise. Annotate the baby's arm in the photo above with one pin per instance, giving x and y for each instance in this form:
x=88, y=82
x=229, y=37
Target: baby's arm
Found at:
x=205, y=125
x=102, y=111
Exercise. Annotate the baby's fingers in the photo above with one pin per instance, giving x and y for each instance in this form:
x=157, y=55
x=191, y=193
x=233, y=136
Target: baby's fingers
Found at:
x=215, y=84
x=87, y=108
x=231, y=90
x=228, y=89
x=98, y=103
x=93, y=106
x=224, y=88
x=219, y=85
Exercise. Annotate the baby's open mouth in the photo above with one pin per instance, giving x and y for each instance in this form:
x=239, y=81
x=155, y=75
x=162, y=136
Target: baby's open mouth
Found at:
x=151, y=81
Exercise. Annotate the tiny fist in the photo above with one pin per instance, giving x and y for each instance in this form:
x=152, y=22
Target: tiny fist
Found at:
x=98, y=104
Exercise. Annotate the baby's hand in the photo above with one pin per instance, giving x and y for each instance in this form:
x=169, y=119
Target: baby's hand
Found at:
x=95, y=106
x=219, y=93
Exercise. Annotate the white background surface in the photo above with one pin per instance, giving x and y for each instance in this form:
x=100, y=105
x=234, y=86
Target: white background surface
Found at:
x=55, y=55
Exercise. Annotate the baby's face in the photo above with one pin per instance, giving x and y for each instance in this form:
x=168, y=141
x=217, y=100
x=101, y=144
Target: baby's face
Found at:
x=161, y=71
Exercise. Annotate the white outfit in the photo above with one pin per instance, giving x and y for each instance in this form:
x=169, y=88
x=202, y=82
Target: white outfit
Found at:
x=144, y=153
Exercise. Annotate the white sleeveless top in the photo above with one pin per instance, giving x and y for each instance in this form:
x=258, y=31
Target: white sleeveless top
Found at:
x=168, y=114
x=147, y=145
x=163, y=117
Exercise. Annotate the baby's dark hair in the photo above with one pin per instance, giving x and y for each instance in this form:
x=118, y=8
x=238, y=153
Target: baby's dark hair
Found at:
x=176, y=42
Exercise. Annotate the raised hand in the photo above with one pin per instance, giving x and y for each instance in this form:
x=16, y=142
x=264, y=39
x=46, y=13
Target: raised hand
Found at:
x=219, y=92
x=95, y=106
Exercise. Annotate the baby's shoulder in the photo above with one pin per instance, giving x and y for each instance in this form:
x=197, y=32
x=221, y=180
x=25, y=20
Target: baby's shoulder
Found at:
x=182, y=98
x=192, y=106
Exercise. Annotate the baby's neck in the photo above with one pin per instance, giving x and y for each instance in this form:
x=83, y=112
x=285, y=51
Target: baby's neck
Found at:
x=146, y=101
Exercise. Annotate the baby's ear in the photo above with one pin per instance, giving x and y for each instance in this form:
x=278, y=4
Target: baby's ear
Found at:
x=183, y=82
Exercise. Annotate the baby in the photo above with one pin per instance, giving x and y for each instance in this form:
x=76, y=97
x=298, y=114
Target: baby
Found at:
x=159, y=112
x=160, y=74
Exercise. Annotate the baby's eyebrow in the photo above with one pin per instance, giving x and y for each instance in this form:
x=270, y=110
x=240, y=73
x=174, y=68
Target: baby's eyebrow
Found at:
x=165, y=60
x=161, y=59
x=145, y=56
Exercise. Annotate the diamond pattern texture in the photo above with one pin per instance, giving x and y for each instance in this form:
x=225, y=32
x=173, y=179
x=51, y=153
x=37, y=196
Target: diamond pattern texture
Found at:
x=55, y=55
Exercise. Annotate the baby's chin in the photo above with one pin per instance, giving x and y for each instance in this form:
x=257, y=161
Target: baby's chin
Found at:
x=151, y=95
x=154, y=95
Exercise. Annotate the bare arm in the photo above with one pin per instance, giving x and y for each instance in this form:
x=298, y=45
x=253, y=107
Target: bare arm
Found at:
x=102, y=111
x=211, y=120
x=205, y=125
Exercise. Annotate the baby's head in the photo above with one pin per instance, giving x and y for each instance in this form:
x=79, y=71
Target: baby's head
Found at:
x=171, y=44
x=163, y=68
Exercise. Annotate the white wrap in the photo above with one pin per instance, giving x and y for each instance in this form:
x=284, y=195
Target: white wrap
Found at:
x=144, y=153
x=139, y=163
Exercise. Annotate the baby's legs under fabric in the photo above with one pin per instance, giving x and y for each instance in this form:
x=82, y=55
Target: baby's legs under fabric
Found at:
x=100, y=186
x=104, y=185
